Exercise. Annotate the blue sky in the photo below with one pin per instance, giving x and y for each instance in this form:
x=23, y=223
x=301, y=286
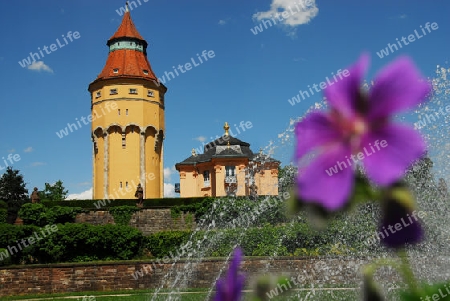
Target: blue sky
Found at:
x=250, y=78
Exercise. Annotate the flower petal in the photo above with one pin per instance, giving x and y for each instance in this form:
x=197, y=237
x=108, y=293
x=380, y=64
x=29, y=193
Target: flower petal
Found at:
x=237, y=257
x=411, y=234
x=389, y=151
x=314, y=130
x=398, y=87
x=400, y=224
x=239, y=285
x=324, y=182
x=230, y=287
x=343, y=95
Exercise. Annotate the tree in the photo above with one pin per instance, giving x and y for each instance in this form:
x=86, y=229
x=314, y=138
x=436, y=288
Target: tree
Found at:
x=12, y=186
x=13, y=191
x=55, y=192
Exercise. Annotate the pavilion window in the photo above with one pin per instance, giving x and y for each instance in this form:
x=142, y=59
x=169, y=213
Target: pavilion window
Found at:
x=206, y=181
x=230, y=171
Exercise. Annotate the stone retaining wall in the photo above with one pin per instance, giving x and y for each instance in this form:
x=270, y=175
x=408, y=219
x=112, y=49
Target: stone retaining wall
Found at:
x=148, y=221
x=65, y=278
x=79, y=277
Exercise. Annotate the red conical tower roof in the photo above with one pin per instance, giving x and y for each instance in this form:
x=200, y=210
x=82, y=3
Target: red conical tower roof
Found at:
x=127, y=54
x=127, y=29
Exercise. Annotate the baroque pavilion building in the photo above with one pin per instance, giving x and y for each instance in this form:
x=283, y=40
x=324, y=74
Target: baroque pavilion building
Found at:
x=227, y=167
x=127, y=103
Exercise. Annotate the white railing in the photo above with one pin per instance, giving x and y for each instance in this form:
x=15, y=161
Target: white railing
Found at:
x=230, y=180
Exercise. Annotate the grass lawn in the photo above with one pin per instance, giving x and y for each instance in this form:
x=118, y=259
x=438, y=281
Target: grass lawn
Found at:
x=189, y=295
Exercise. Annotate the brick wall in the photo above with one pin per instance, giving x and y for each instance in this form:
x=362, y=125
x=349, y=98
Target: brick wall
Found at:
x=79, y=277
x=65, y=278
x=148, y=221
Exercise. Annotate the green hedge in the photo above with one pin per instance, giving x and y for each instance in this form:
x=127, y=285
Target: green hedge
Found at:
x=39, y=215
x=163, y=243
x=84, y=242
x=235, y=212
x=3, y=205
x=122, y=214
x=294, y=239
x=101, y=204
x=3, y=216
x=73, y=243
x=5, y=258
x=10, y=235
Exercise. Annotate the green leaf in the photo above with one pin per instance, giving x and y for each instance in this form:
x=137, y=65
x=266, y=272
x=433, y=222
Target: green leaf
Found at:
x=439, y=291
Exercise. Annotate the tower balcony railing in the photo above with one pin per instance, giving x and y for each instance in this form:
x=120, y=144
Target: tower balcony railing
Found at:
x=230, y=180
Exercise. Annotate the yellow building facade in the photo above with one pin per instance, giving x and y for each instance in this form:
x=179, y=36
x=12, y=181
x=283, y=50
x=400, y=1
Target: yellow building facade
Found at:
x=228, y=167
x=127, y=103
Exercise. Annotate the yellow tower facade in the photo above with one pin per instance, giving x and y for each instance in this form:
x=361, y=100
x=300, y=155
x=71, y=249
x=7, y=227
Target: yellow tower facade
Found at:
x=127, y=103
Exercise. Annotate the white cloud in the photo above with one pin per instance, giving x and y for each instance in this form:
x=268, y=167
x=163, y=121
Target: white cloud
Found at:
x=402, y=16
x=200, y=138
x=85, y=195
x=34, y=164
x=28, y=150
x=224, y=21
x=40, y=66
x=168, y=171
x=169, y=190
x=12, y=150
x=298, y=11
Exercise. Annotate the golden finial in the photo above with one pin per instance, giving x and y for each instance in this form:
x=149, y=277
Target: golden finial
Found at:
x=226, y=128
x=228, y=144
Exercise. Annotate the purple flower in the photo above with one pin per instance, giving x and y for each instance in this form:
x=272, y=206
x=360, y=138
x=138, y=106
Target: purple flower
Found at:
x=230, y=287
x=359, y=129
x=400, y=223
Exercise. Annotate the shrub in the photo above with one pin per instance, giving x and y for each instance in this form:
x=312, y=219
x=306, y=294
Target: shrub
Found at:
x=62, y=215
x=73, y=242
x=228, y=212
x=3, y=216
x=84, y=242
x=39, y=215
x=5, y=258
x=162, y=243
x=10, y=235
x=270, y=250
x=102, y=204
x=33, y=214
x=122, y=214
x=3, y=205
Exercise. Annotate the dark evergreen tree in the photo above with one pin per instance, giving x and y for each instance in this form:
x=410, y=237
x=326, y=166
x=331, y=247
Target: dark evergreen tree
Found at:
x=13, y=191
